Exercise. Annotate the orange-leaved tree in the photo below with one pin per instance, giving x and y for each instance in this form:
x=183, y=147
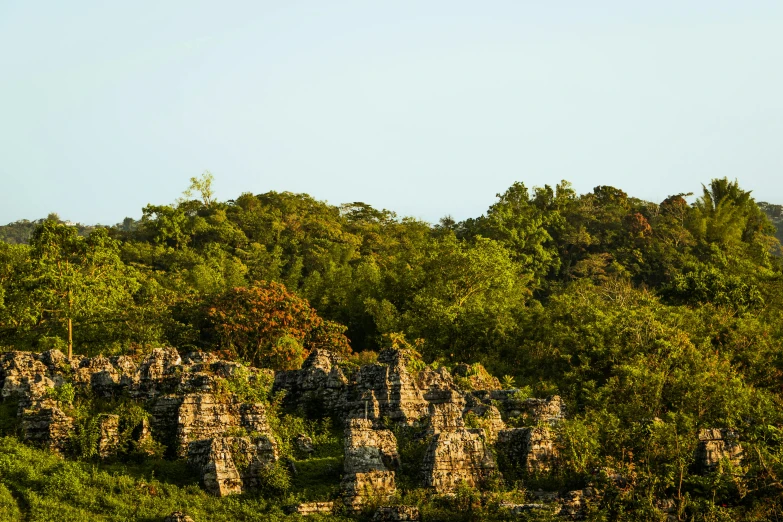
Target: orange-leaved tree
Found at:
x=269, y=326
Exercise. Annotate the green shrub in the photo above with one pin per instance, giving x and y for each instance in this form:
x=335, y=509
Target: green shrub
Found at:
x=274, y=480
x=65, y=393
x=9, y=509
x=248, y=387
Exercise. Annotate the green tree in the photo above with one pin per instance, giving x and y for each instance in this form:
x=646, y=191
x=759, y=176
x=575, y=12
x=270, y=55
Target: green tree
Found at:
x=202, y=186
x=523, y=224
x=269, y=326
x=72, y=281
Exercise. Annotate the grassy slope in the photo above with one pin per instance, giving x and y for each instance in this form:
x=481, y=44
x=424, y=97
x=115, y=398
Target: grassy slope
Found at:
x=37, y=486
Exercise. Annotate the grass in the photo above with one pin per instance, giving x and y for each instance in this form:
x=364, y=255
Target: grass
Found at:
x=317, y=478
x=39, y=486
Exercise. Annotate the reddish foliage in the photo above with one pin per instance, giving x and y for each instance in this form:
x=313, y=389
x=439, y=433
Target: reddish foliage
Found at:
x=638, y=225
x=270, y=326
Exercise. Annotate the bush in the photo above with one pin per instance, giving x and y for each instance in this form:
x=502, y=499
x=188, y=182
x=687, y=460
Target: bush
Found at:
x=65, y=393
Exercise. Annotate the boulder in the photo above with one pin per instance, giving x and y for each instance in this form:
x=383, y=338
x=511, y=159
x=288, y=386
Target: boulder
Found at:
x=368, y=449
x=456, y=457
x=45, y=424
x=109, y=439
x=230, y=465
x=361, y=488
x=531, y=449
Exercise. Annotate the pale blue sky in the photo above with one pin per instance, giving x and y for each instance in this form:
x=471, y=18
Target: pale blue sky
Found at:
x=424, y=107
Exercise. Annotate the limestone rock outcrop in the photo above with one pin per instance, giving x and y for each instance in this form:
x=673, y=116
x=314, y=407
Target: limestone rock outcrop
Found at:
x=387, y=389
x=368, y=449
x=514, y=405
x=370, y=455
x=194, y=416
x=459, y=456
x=312, y=508
x=359, y=488
x=106, y=375
x=319, y=383
x=24, y=377
x=45, y=424
x=109, y=438
x=716, y=445
x=489, y=418
x=206, y=409
x=230, y=465
x=532, y=449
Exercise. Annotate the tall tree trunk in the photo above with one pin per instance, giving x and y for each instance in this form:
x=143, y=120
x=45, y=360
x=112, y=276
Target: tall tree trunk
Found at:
x=70, y=324
x=70, y=338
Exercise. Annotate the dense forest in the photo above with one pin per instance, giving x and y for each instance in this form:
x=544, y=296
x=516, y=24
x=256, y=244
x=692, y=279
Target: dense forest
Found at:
x=651, y=320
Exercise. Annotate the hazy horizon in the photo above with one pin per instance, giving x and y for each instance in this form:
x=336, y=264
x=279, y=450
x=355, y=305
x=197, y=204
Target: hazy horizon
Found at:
x=423, y=109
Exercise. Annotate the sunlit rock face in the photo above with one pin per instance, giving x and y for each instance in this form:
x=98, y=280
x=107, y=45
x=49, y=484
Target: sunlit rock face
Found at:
x=532, y=449
x=368, y=449
x=45, y=424
x=370, y=456
x=23, y=377
x=457, y=456
x=230, y=465
x=109, y=435
x=318, y=384
x=387, y=390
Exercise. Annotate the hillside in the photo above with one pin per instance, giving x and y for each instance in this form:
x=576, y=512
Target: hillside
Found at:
x=775, y=215
x=560, y=356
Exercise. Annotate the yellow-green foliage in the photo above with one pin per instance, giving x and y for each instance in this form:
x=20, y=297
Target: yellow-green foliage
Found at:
x=44, y=487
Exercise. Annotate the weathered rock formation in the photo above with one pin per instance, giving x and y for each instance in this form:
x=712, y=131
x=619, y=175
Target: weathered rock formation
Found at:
x=386, y=390
x=368, y=449
x=24, y=377
x=458, y=456
x=230, y=465
x=716, y=445
x=227, y=439
x=370, y=455
x=361, y=488
x=109, y=438
x=512, y=404
x=532, y=449
x=312, y=508
x=45, y=424
x=319, y=384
